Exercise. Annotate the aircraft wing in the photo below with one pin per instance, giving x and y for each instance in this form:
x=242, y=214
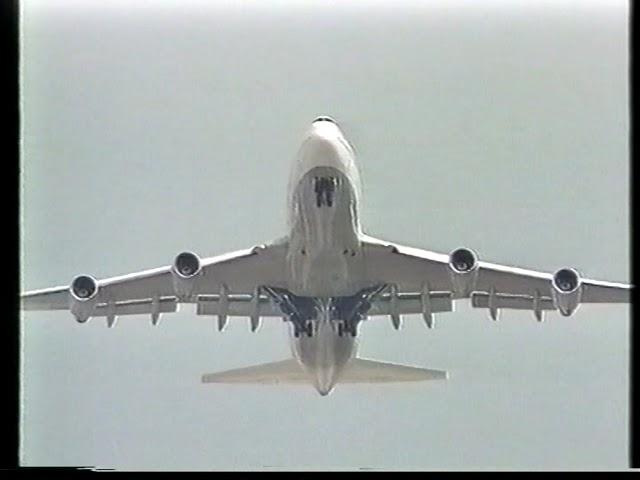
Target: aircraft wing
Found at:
x=221, y=285
x=419, y=277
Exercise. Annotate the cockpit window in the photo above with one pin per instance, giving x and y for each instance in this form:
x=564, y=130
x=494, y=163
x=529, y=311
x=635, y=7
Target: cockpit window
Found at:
x=324, y=119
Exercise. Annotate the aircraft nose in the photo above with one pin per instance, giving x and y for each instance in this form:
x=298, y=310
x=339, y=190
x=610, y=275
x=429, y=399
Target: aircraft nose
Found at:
x=325, y=130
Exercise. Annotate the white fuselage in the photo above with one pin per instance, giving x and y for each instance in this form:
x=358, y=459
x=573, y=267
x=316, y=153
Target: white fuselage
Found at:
x=324, y=259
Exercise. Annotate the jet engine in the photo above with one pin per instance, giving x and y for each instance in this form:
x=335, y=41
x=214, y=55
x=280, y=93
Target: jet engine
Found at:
x=566, y=290
x=84, y=295
x=463, y=265
x=186, y=268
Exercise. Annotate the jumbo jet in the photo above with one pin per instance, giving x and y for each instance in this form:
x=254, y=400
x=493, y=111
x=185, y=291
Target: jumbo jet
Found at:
x=324, y=278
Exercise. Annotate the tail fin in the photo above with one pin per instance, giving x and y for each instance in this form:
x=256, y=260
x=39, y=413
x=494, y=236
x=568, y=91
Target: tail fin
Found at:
x=358, y=370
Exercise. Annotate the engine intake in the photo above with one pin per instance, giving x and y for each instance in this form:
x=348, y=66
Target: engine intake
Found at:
x=566, y=280
x=566, y=290
x=84, y=288
x=186, y=268
x=463, y=264
x=187, y=265
x=84, y=292
x=463, y=260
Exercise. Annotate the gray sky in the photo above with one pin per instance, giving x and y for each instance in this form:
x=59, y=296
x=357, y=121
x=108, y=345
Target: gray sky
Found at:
x=153, y=128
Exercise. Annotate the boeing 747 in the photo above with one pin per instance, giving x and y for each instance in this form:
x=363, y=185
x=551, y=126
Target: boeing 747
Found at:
x=324, y=278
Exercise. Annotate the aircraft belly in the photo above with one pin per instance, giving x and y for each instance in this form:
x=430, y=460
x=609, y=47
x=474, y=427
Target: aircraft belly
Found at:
x=324, y=257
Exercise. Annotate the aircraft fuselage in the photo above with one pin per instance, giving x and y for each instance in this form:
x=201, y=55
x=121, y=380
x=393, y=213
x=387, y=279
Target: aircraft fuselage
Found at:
x=324, y=258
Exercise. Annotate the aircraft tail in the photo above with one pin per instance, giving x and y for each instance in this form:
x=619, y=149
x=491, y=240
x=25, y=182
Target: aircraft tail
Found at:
x=358, y=370
x=284, y=371
x=362, y=370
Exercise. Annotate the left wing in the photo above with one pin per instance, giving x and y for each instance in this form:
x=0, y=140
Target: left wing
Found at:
x=488, y=285
x=222, y=285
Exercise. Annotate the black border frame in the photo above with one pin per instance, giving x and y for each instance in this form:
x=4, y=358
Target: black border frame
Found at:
x=10, y=331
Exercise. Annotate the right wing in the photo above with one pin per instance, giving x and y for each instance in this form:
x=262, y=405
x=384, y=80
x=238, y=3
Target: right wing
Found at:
x=425, y=281
x=225, y=285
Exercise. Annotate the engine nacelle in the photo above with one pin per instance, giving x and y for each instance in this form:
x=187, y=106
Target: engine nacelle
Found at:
x=463, y=267
x=186, y=269
x=566, y=290
x=83, y=297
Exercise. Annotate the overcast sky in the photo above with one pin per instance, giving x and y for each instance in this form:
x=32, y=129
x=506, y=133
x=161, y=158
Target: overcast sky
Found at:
x=153, y=127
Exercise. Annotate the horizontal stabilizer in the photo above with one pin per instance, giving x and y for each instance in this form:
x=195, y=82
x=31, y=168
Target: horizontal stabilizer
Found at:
x=284, y=371
x=358, y=370
x=361, y=370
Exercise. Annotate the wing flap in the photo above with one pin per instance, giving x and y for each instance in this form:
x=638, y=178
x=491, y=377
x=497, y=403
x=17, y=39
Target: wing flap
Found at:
x=136, y=307
x=238, y=305
x=411, y=303
x=515, y=302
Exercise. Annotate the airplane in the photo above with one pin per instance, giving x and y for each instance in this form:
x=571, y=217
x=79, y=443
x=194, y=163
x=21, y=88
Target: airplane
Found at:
x=324, y=278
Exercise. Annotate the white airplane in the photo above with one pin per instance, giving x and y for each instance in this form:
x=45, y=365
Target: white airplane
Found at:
x=324, y=278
